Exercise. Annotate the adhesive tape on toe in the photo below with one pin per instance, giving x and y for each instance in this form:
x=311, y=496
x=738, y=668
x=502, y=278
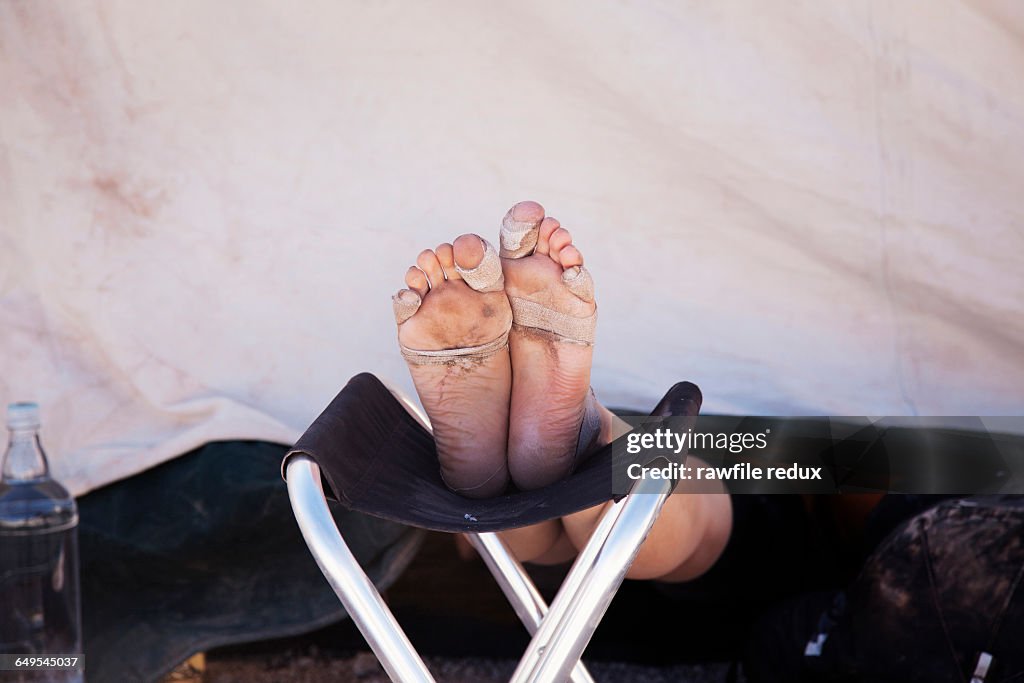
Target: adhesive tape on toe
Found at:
x=487, y=276
x=518, y=238
x=405, y=304
x=579, y=282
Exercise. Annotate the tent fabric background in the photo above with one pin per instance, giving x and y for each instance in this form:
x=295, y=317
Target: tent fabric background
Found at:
x=204, y=207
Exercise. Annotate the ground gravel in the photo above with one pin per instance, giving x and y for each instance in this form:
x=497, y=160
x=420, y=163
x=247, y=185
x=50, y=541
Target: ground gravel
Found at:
x=310, y=667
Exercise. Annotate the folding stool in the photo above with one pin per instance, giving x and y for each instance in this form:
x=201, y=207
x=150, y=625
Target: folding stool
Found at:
x=375, y=454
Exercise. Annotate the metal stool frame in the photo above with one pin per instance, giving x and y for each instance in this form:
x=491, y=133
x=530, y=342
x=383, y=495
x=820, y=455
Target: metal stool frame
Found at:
x=560, y=634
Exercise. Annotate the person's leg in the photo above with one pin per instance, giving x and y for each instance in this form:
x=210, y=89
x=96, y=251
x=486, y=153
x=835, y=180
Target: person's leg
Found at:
x=452, y=321
x=688, y=537
x=544, y=543
x=685, y=541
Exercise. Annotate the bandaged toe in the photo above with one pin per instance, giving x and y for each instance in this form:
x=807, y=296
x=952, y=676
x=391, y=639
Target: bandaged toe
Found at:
x=405, y=304
x=579, y=282
x=518, y=238
x=487, y=275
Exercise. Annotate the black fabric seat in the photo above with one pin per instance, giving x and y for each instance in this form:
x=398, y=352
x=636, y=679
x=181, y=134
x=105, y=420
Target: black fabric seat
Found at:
x=377, y=459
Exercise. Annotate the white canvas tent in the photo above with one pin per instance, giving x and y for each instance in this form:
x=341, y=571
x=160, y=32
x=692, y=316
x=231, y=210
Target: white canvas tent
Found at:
x=205, y=207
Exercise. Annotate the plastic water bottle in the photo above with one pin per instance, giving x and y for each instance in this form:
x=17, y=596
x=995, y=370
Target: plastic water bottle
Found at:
x=39, y=600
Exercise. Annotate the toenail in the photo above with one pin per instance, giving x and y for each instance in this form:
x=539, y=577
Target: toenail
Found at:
x=527, y=211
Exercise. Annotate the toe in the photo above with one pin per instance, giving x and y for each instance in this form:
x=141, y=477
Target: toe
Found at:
x=527, y=212
x=431, y=267
x=547, y=226
x=519, y=229
x=479, y=264
x=559, y=239
x=405, y=304
x=416, y=281
x=579, y=282
x=570, y=256
x=446, y=258
x=468, y=251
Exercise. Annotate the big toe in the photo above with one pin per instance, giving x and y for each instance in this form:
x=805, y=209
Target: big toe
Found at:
x=469, y=250
x=520, y=228
x=478, y=263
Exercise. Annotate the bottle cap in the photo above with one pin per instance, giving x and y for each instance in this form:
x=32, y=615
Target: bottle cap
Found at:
x=23, y=415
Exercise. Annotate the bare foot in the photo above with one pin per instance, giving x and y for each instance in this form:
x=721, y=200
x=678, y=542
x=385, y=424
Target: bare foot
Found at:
x=453, y=339
x=550, y=369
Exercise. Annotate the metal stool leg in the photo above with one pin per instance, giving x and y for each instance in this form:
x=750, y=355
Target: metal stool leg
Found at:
x=591, y=585
x=517, y=586
x=357, y=593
